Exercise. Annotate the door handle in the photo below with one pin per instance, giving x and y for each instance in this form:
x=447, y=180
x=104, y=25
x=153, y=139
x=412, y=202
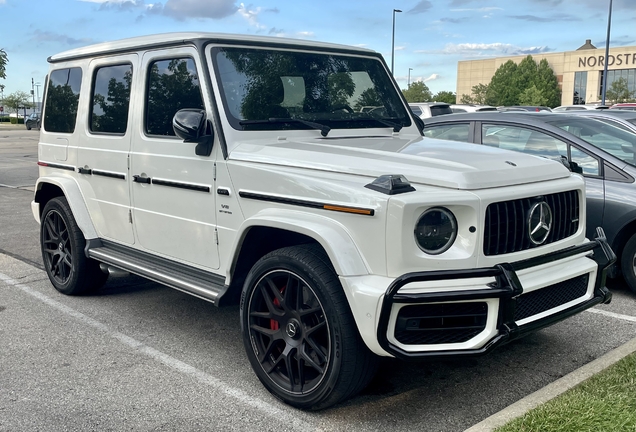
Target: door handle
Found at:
x=140, y=179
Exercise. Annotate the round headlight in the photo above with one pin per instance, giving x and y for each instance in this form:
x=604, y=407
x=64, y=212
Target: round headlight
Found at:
x=436, y=230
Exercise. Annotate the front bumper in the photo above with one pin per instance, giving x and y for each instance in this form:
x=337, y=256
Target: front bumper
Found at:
x=507, y=289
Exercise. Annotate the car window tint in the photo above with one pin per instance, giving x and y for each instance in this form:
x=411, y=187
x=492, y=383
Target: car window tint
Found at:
x=453, y=132
x=111, y=99
x=416, y=110
x=588, y=163
x=524, y=140
x=173, y=84
x=440, y=110
x=62, y=98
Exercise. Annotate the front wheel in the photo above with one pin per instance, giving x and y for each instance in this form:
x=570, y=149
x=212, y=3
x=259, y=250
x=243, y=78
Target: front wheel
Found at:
x=62, y=243
x=628, y=263
x=298, y=330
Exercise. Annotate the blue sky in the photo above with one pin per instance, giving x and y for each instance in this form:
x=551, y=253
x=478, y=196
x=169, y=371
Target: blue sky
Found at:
x=430, y=35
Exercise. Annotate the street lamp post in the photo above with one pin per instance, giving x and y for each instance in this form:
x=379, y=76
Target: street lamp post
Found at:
x=408, y=83
x=393, y=41
x=37, y=92
x=607, y=42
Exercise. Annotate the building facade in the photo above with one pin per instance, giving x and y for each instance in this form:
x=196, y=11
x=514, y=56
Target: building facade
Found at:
x=580, y=72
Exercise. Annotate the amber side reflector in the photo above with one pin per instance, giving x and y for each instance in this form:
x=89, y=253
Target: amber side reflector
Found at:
x=43, y=164
x=348, y=210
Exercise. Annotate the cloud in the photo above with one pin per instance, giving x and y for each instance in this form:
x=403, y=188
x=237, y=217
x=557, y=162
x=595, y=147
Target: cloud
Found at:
x=482, y=9
x=176, y=9
x=619, y=41
x=433, y=77
x=487, y=50
x=251, y=15
x=422, y=6
x=45, y=36
x=555, y=17
x=305, y=34
x=454, y=20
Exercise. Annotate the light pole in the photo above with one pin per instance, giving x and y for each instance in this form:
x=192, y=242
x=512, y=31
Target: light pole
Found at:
x=393, y=41
x=408, y=83
x=607, y=41
x=37, y=92
x=33, y=93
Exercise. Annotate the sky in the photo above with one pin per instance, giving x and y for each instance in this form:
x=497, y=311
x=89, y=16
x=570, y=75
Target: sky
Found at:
x=431, y=36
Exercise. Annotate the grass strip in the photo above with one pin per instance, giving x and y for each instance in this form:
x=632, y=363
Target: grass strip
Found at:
x=605, y=402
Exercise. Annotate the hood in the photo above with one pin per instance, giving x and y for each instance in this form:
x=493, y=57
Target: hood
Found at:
x=421, y=160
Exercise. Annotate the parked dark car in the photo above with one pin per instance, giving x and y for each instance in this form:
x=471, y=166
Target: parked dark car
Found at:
x=33, y=121
x=602, y=152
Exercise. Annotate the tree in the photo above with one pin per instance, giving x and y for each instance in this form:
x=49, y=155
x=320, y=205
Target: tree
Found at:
x=504, y=87
x=417, y=92
x=532, y=96
x=548, y=84
x=526, y=73
x=478, y=95
x=17, y=100
x=445, y=96
x=3, y=63
x=618, y=92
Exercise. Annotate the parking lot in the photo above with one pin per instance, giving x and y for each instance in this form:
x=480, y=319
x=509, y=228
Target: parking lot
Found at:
x=140, y=356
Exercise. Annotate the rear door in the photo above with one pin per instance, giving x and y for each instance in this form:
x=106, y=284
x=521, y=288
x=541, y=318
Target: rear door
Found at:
x=172, y=188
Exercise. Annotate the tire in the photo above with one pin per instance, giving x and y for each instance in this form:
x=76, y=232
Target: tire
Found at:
x=28, y=127
x=299, y=333
x=62, y=244
x=628, y=263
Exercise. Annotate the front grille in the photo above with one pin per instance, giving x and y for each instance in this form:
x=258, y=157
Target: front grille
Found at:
x=506, y=225
x=550, y=297
x=440, y=323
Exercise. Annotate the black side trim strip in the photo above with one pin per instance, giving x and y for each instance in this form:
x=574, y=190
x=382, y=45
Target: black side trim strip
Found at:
x=84, y=171
x=109, y=174
x=311, y=204
x=58, y=166
x=180, y=185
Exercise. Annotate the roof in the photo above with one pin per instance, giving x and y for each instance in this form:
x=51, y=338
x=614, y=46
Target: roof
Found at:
x=166, y=39
x=586, y=46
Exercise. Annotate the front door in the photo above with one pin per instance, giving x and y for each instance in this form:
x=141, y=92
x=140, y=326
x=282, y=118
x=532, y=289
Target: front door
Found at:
x=172, y=188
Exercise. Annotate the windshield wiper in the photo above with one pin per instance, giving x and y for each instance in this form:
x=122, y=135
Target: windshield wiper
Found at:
x=388, y=122
x=324, y=129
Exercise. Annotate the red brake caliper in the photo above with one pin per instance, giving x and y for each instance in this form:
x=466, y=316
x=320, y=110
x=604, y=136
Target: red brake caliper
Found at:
x=273, y=324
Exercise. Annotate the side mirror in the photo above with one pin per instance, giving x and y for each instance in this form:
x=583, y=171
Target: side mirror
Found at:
x=190, y=124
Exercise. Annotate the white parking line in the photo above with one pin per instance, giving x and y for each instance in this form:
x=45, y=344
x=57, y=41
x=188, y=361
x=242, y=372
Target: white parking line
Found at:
x=167, y=360
x=613, y=315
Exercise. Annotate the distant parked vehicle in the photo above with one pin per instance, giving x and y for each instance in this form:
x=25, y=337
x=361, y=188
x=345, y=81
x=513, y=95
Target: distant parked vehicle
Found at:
x=624, y=119
x=524, y=108
x=430, y=109
x=33, y=121
x=624, y=106
x=603, y=152
x=580, y=107
x=462, y=108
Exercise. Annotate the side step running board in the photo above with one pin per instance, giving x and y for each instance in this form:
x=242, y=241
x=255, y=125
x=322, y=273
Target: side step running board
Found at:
x=205, y=285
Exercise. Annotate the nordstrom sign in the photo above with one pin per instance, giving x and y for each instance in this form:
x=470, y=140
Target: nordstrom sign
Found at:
x=599, y=61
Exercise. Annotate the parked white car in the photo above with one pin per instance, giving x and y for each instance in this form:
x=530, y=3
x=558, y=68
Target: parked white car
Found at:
x=462, y=108
x=245, y=170
x=430, y=109
x=580, y=107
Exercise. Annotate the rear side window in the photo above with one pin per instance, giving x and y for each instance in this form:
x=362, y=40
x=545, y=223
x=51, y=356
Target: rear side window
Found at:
x=62, y=98
x=416, y=110
x=173, y=84
x=453, y=132
x=111, y=99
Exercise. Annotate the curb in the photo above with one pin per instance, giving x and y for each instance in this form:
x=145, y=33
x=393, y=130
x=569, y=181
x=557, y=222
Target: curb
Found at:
x=554, y=389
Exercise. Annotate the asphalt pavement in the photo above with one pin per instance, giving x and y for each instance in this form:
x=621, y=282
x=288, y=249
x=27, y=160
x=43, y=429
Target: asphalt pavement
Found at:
x=140, y=356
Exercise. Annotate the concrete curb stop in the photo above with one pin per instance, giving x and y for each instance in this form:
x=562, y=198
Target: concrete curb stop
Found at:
x=554, y=389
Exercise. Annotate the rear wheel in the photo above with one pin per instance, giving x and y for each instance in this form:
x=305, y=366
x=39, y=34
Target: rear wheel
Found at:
x=628, y=263
x=299, y=333
x=63, y=243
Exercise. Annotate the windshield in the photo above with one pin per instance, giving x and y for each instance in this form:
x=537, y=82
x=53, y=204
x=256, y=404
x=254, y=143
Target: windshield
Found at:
x=262, y=87
x=613, y=140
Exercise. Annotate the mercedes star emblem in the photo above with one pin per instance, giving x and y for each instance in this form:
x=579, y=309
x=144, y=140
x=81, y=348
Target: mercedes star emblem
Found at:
x=291, y=329
x=539, y=222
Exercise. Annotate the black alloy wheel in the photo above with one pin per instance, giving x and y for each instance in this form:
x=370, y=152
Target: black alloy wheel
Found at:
x=62, y=244
x=628, y=263
x=298, y=331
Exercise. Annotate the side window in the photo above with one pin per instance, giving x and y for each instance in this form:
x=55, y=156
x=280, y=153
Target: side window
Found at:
x=453, y=132
x=111, y=99
x=62, y=98
x=585, y=161
x=416, y=110
x=524, y=140
x=173, y=84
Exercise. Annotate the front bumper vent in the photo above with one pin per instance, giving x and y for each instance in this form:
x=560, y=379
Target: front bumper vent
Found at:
x=446, y=323
x=552, y=296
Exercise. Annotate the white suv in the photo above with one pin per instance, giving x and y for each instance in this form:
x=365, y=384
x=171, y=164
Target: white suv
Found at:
x=245, y=169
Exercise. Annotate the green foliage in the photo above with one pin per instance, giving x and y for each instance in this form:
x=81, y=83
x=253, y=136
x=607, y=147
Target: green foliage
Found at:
x=3, y=63
x=417, y=92
x=532, y=96
x=17, y=100
x=618, y=92
x=478, y=95
x=445, y=96
x=504, y=86
x=511, y=81
x=367, y=98
x=14, y=120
